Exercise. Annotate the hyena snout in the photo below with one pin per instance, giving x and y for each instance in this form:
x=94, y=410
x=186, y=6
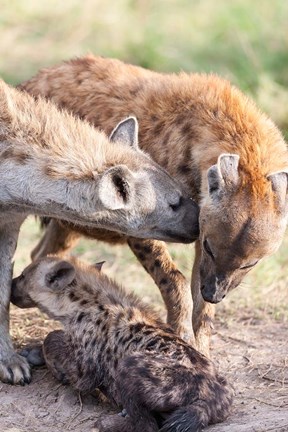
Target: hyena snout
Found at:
x=189, y=232
x=215, y=288
x=18, y=296
x=184, y=224
x=194, y=227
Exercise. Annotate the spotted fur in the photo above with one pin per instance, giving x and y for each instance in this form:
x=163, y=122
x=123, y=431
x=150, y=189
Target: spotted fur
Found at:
x=53, y=164
x=113, y=342
x=211, y=137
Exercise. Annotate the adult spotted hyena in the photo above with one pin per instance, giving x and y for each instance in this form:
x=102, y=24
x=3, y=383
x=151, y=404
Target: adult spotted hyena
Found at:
x=113, y=342
x=212, y=138
x=55, y=165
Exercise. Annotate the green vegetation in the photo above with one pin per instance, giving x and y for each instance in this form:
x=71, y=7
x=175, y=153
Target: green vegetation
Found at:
x=243, y=40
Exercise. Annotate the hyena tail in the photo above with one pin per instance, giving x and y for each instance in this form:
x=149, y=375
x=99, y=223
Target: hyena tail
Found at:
x=191, y=418
x=201, y=413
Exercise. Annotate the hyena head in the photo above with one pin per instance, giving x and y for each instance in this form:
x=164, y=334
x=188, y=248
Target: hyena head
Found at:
x=145, y=196
x=49, y=282
x=237, y=228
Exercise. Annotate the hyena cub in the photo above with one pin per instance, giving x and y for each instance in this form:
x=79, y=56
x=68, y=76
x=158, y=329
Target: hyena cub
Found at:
x=113, y=342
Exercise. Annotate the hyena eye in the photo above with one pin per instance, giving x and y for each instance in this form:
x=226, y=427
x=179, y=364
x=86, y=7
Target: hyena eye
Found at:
x=248, y=266
x=208, y=249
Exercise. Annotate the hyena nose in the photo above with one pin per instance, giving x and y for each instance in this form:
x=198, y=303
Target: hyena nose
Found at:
x=211, y=294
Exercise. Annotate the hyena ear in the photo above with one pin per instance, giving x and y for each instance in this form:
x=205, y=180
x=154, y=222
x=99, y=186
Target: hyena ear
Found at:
x=116, y=188
x=224, y=174
x=126, y=132
x=98, y=266
x=279, y=183
x=60, y=275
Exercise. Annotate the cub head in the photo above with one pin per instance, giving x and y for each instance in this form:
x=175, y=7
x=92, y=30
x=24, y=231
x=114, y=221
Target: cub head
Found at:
x=238, y=227
x=43, y=284
x=53, y=285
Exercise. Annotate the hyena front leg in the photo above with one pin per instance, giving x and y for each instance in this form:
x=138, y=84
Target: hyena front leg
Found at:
x=203, y=312
x=174, y=287
x=14, y=368
x=55, y=355
x=57, y=239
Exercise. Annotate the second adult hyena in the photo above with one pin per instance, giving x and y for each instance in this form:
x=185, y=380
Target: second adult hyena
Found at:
x=211, y=137
x=53, y=164
x=113, y=342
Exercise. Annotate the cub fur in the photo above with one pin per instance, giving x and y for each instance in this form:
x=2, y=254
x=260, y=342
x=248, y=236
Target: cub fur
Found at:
x=113, y=342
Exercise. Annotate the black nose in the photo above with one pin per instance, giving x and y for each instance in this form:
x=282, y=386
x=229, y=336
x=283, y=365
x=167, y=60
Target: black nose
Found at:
x=212, y=296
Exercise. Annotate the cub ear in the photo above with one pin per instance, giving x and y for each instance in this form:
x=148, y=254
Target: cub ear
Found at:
x=279, y=183
x=116, y=188
x=98, y=266
x=60, y=275
x=126, y=132
x=223, y=175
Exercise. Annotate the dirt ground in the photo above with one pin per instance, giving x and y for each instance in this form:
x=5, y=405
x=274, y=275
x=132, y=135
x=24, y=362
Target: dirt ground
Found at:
x=252, y=353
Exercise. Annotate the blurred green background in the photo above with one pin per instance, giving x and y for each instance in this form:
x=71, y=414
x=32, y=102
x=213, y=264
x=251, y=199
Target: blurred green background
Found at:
x=245, y=41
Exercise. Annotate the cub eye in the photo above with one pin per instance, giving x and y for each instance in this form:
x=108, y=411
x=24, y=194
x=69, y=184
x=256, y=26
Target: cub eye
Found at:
x=21, y=277
x=208, y=249
x=176, y=206
x=248, y=266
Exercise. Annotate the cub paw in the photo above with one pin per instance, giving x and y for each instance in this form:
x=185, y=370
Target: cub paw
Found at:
x=34, y=355
x=109, y=423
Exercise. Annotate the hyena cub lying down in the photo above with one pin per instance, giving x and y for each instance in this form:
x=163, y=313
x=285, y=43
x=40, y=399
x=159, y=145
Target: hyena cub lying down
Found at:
x=113, y=342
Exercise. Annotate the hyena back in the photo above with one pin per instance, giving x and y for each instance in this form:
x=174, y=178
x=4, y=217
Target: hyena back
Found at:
x=53, y=164
x=207, y=134
x=113, y=342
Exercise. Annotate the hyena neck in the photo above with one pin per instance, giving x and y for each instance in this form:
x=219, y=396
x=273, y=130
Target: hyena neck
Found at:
x=25, y=188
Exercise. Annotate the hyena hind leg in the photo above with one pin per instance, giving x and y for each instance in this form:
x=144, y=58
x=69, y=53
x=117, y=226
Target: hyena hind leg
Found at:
x=57, y=239
x=144, y=383
x=55, y=355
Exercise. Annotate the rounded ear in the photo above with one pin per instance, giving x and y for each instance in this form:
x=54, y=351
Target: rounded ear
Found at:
x=279, y=182
x=60, y=275
x=116, y=188
x=223, y=175
x=126, y=132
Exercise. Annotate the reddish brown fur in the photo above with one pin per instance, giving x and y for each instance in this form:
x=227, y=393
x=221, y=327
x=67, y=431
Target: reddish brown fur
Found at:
x=224, y=121
x=186, y=122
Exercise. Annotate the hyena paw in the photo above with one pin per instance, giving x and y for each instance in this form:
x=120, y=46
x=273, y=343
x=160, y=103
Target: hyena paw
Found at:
x=109, y=423
x=14, y=369
x=34, y=355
